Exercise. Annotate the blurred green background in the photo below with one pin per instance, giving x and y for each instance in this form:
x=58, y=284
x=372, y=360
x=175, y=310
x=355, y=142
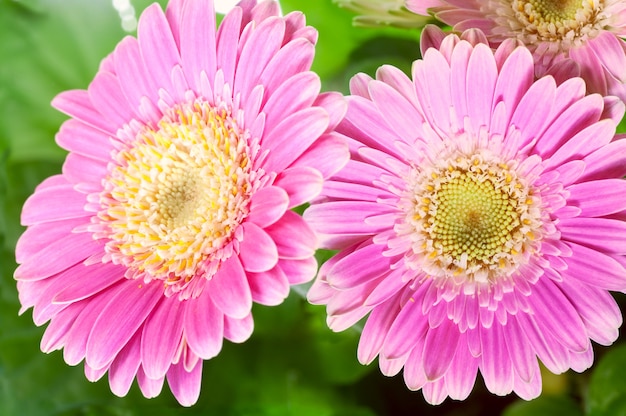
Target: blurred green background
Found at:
x=292, y=365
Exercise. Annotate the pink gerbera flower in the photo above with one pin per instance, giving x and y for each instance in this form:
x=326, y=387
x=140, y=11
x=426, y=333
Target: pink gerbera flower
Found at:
x=480, y=222
x=172, y=215
x=588, y=31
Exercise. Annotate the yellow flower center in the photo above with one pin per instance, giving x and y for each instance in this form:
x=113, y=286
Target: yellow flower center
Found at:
x=472, y=217
x=562, y=21
x=175, y=196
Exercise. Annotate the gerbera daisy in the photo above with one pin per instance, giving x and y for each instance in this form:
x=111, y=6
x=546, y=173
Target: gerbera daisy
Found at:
x=172, y=215
x=383, y=12
x=480, y=222
x=588, y=31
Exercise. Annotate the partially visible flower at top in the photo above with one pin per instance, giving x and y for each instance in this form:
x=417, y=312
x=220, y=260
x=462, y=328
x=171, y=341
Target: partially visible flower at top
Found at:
x=590, y=32
x=383, y=12
x=172, y=215
x=480, y=221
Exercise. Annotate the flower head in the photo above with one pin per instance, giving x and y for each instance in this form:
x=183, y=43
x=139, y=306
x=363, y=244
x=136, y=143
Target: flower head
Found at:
x=383, y=12
x=590, y=32
x=172, y=215
x=480, y=221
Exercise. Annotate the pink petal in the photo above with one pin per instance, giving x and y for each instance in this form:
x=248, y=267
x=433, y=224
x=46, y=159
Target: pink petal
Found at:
x=80, y=138
x=162, y=333
x=482, y=75
x=268, y=205
x=124, y=367
x=439, y=349
x=291, y=137
x=375, y=332
x=595, y=268
x=227, y=43
x=520, y=351
x=158, y=46
x=298, y=271
x=598, y=198
x=204, y=326
x=39, y=236
x=238, y=330
x=496, y=366
x=284, y=234
x=258, y=50
x=328, y=155
x=149, y=388
x=87, y=281
x=54, y=204
x=185, y=385
x=399, y=113
x=258, y=251
x=361, y=266
x=408, y=328
x=269, y=288
x=295, y=94
x=302, y=184
x=64, y=253
x=603, y=234
x=606, y=162
x=293, y=58
x=229, y=289
x=133, y=76
x=461, y=375
x=549, y=351
x=77, y=104
x=119, y=320
x=198, y=40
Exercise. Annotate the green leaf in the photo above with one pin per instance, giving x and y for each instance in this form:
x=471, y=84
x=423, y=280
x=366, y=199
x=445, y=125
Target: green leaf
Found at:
x=607, y=387
x=544, y=406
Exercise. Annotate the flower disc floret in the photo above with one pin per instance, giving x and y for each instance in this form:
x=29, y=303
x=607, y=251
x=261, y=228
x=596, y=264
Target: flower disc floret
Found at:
x=175, y=196
x=471, y=217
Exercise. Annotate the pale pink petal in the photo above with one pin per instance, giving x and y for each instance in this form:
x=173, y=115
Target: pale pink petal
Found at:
x=197, y=33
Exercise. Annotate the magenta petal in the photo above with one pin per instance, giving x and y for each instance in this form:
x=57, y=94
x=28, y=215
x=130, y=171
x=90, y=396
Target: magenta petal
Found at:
x=66, y=252
x=361, y=266
x=496, y=366
x=229, y=289
x=284, y=234
x=89, y=280
x=298, y=271
x=76, y=345
x=54, y=204
x=520, y=351
x=375, y=331
x=461, y=375
x=238, y=330
x=302, y=184
x=407, y=329
x=439, y=349
x=120, y=319
x=204, y=326
x=258, y=251
x=162, y=333
x=125, y=365
x=149, y=387
x=267, y=205
x=550, y=352
x=185, y=385
x=270, y=287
